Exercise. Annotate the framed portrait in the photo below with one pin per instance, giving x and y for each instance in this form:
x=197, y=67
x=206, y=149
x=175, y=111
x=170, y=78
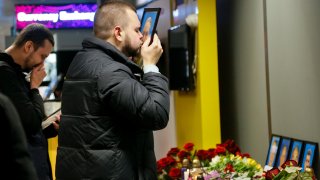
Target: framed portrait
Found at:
x=283, y=150
x=149, y=22
x=309, y=154
x=296, y=150
x=273, y=150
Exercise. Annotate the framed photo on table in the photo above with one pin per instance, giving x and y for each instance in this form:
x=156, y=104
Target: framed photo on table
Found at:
x=309, y=154
x=296, y=150
x=283, y=150
x=149, y=22
x=273, y=151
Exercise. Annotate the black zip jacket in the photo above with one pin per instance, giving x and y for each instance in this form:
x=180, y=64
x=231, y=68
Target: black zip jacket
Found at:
x=109, y=110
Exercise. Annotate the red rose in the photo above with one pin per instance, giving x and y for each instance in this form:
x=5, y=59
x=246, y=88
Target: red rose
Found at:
x=183, y=154
x=173, y=152
x=231, y=146
x=211, y=153
x=220, y=150
x=202, y=154
x=229, y=168
x=233, y=149
x=229, y=142
x=188, y=146
x=159, y=169
x=246, y=155
x=289, y=163
x=272, y=173
x=211, y=150
x=243, y=155
x=162, y=163
x=171, y=161
x=175, y=173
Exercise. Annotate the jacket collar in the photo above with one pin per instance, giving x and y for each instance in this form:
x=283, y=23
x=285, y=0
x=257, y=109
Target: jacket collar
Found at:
x=113, y=52
x=8, y=59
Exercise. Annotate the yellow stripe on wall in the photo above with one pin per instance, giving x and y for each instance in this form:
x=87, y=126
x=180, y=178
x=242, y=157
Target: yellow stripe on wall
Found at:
x=208, y=75
x=198, y=112
x=52, y=147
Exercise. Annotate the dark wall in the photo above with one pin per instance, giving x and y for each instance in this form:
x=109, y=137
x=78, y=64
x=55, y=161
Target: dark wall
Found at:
x=225, y=20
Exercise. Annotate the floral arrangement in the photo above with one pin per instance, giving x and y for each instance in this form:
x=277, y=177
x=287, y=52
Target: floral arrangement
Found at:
x=289, y=170
x=170, y=167
x=224, y=161
x=230, y=163
x=230, y=166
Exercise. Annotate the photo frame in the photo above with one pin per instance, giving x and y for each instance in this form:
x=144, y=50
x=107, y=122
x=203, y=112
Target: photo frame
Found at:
x=284, y=148
x=52, y=109
x=296, y=150
x=273, y=150
x=309, y=155
x=50, y=119
x=149, y=22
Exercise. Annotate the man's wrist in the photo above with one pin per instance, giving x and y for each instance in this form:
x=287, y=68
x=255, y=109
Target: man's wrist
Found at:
x=35, y=90
x=150, y=68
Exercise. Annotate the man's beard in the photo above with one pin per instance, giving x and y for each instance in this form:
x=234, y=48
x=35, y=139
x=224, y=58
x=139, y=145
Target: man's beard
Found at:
x=28, y=68
x=129, y=51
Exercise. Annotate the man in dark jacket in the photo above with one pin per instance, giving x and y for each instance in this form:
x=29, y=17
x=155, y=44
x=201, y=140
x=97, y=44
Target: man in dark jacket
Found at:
x=110, y=106
x=27, y=55
x=15, y=156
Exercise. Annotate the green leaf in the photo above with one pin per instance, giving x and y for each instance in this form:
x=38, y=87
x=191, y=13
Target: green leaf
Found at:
x=280, y=175
x=290, y=176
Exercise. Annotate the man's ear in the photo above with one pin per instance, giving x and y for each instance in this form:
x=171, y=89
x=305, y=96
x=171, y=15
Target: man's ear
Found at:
x=118, y=33
x=28, y=47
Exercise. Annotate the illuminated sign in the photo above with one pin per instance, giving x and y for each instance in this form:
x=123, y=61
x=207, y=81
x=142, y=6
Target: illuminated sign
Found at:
x=56, y=16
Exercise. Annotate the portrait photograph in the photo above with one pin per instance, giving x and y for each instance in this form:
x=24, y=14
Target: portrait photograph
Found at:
x=308, y=155
x=283, y=151
x=296, y=150
x=149, y=21
x=273, y=150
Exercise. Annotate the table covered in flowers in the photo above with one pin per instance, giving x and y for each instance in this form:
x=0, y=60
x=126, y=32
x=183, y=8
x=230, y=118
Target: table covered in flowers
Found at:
x=225, y=161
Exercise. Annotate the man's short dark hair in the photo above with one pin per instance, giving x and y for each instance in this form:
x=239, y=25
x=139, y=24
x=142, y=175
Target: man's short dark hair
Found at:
x=35, y=32
x=109, y=14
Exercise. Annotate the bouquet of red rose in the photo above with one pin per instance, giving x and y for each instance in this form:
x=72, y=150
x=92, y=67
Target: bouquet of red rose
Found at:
x=170, y=167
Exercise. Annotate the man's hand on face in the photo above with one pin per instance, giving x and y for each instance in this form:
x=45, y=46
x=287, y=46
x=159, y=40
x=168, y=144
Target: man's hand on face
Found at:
x=38, y=73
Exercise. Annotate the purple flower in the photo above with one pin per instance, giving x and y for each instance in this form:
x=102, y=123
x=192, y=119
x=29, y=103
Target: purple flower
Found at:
x=212, y=175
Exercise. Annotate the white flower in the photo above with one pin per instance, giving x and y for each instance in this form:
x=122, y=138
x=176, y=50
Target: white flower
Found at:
x=291, y=169
x=215, y=160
